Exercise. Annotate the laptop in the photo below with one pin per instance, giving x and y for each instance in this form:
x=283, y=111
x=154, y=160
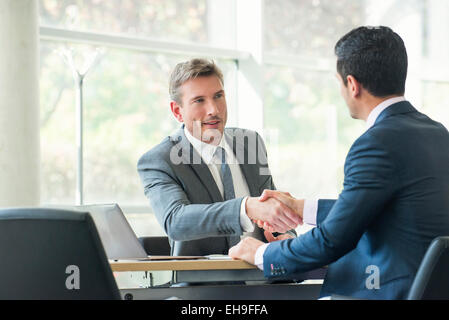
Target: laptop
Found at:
x=118, y=238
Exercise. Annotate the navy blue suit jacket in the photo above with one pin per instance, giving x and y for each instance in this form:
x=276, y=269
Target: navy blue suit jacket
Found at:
x=395, y=200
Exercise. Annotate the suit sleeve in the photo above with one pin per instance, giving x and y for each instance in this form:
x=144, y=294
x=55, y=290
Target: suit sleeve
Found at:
x=369, y=184
x=324, y=207
x=182, y=220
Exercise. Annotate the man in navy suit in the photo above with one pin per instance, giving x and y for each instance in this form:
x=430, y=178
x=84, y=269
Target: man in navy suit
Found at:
x=395, y=196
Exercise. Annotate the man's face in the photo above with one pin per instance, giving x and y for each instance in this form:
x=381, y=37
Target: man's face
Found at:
x=203, y=108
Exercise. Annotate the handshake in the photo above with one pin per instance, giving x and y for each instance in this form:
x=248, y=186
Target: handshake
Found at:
x=275, y=211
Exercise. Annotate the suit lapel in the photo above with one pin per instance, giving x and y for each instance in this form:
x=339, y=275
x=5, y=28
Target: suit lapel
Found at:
x=190, y=157
x=193, y=159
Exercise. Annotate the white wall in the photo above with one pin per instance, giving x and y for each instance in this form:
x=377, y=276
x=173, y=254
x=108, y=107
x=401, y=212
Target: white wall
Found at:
x=19, y=103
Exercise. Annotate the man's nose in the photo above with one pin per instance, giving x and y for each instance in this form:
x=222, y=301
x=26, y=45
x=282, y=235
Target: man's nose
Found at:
x=212, y=108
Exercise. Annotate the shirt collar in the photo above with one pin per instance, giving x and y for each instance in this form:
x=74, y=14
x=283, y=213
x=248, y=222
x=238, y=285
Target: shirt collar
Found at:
x=206, y=150
x=379, y=108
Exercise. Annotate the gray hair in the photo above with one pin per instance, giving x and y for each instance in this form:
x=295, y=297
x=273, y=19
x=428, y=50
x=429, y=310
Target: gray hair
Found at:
x=191, y=69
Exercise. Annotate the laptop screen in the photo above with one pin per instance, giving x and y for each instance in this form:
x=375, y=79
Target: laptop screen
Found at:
x=118, y=238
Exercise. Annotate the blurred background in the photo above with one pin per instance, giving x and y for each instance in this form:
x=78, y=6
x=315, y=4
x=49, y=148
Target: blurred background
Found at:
x=279, y=66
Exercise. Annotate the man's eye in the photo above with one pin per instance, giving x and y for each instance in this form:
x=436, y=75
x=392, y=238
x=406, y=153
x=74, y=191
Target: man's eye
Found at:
x=198, y=100
x=219, y=95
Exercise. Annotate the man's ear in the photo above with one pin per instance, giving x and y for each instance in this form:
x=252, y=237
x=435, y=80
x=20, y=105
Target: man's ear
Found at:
x=354, y=86
x=175, y=109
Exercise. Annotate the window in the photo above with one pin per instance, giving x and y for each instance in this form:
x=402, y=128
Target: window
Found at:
x=306, y=123
x=302, y=99
x=174, y=20
x=126, y=112
x=125, y=95
x=302, y=92
x=308, y=28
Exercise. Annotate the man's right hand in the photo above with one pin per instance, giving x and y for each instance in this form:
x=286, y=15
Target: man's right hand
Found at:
x=275, y=213
x=297, y=205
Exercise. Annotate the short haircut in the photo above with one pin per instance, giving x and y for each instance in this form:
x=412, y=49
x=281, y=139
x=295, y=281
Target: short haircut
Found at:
x=376, y=57
x=191, y=69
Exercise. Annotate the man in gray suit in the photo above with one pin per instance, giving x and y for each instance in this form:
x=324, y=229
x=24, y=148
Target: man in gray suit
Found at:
x=204, y=180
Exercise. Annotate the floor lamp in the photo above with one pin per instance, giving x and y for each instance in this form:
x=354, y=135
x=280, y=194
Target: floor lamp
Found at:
x=79, y=75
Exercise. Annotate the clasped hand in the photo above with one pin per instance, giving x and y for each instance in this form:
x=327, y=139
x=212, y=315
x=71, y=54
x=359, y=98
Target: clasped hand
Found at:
x=275, y=211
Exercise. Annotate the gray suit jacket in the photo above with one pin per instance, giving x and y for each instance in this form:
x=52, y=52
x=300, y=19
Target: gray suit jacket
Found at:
x=186, y=200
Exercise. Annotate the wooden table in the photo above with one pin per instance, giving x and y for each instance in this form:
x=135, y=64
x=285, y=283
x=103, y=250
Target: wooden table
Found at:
x=210, y=273
x=198, y=270
x=204, y=270
x=179, y=265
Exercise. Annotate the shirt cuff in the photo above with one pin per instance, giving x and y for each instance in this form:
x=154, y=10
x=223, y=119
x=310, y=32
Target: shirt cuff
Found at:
x=245, y=221
x=258, y=257
x=310, y=211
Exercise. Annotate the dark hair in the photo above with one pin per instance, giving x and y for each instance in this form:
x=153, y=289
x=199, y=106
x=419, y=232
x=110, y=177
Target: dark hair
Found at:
x=376, y=57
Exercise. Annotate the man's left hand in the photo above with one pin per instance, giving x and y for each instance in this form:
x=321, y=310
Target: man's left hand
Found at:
x=245, y=249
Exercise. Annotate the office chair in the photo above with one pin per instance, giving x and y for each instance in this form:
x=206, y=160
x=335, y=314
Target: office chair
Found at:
x=432, y=279
x=157, y=246
x=52, y=254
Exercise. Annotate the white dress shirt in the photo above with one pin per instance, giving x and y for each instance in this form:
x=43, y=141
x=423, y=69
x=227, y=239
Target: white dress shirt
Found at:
x=311, y=206
x=207, y=152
